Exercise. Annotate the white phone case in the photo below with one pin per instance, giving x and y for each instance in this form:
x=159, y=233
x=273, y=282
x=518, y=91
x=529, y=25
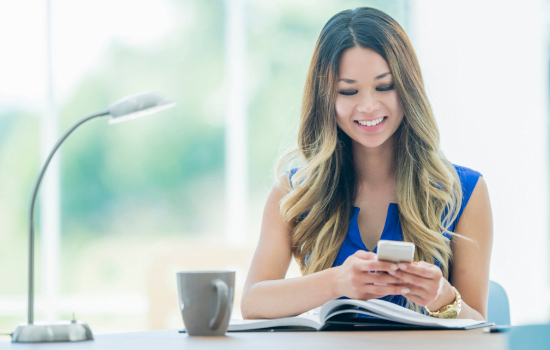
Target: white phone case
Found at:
x=396, y=252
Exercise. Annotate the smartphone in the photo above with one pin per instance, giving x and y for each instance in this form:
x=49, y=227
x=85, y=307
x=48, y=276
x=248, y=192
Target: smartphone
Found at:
x=394, y=251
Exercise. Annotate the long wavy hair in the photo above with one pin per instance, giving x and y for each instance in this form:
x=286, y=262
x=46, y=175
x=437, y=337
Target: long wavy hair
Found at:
x=319, y=207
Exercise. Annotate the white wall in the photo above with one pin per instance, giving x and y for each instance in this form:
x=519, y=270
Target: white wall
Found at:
x=485, y=65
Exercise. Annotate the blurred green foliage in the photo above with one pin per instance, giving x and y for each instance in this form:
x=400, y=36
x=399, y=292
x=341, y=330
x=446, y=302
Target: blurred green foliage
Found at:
x=152, y=164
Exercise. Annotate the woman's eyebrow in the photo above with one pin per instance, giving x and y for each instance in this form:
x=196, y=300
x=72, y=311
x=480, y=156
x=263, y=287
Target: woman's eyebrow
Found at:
x=351, y=81
x=382, y=75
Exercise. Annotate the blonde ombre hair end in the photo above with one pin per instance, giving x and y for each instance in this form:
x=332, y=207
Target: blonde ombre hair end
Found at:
x=319, y=207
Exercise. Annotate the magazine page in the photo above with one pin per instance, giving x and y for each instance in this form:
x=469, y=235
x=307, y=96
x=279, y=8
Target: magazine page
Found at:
x=400, y=314
x=339, y=306
x=311, y=321
x=356, y=311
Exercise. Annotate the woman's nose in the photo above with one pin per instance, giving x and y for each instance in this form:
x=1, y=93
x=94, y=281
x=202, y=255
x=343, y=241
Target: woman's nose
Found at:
x=368, y=105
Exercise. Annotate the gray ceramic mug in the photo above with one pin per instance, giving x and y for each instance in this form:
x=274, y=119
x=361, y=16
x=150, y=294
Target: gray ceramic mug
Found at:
x=206, y=300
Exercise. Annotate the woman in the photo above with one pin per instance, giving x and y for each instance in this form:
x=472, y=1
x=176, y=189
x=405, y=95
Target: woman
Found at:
x=371, y=168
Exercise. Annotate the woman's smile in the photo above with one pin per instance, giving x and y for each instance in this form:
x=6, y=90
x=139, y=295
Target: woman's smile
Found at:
x=371, y=125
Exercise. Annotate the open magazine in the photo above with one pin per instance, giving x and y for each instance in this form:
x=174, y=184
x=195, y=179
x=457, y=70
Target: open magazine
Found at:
x=347, y=314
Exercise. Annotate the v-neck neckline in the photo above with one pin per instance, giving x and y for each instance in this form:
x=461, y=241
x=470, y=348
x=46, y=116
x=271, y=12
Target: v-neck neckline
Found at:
x=384, y=235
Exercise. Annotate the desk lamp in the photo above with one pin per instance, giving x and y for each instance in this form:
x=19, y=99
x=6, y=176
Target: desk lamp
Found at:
x=129, y=107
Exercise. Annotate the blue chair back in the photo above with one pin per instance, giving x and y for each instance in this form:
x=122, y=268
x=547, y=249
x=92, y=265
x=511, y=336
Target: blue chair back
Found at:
x=498, y=309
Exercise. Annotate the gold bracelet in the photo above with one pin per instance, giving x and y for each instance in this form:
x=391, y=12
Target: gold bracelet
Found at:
x=448, y=311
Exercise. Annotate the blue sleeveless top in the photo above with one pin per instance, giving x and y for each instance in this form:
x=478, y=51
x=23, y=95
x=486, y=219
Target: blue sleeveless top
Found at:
x=392, y=227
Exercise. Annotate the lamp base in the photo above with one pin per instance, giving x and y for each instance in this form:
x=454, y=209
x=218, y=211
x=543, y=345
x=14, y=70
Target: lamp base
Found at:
x=42, y=332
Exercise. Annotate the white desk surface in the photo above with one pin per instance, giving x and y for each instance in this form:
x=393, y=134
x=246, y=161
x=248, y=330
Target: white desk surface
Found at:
x=171, y=339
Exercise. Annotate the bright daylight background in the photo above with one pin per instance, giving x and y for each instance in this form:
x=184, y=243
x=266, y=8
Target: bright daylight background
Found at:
x=128, y=205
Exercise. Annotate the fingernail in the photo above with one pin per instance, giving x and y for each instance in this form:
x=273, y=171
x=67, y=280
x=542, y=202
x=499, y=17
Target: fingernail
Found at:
x=405, y=290
x=391, y=272
x=402, y=266
x=393, y=267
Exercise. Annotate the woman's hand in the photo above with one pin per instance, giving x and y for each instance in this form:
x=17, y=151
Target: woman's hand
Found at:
x=427, y=285
x=357, y=276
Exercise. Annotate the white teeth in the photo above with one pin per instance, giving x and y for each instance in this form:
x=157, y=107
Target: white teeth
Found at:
x=369, y=123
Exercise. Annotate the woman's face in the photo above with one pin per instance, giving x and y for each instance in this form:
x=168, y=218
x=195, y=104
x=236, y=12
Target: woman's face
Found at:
x=368, y=107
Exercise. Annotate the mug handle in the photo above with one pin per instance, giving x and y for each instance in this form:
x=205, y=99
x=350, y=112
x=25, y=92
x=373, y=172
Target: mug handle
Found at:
x=223, y=299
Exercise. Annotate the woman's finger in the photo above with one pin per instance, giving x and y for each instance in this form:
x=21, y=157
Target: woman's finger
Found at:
x=413, y=279
x=428, y=295
x=362, y=254
x=424, y=270
x=387, y=290
x=382, y=278
x=375, y=265
x=431, y=286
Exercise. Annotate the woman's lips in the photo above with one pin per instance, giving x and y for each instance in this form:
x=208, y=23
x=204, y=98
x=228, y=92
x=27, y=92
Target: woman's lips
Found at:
x=372, y=128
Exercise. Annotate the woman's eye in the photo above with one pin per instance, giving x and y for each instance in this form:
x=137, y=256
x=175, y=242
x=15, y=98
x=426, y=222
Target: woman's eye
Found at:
x=348, y=93
x=382, y=89
x=386, y=88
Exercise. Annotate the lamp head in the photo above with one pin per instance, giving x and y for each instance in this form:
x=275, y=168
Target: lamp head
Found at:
x=137, y=105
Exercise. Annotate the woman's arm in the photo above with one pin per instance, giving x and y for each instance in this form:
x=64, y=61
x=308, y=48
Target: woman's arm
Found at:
x=267, y=294
x=470, y=266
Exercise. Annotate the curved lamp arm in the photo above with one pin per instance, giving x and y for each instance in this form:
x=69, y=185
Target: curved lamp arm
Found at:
x=129, y=107
x=33, y=200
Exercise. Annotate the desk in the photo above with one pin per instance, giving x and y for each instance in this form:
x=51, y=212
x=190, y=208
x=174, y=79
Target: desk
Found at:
x=171, y=339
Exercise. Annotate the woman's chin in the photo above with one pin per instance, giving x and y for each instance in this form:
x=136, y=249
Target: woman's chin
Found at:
x=371, y=141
